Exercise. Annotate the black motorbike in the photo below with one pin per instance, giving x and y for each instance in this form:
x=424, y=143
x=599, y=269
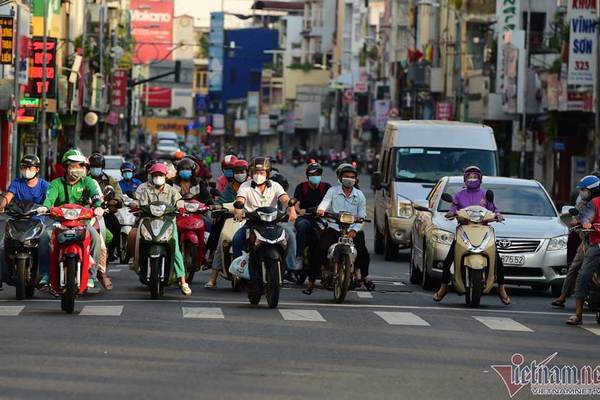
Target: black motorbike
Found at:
x=21, y=243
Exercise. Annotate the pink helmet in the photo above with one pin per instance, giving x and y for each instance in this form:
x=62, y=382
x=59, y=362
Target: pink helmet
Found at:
x=159, y=168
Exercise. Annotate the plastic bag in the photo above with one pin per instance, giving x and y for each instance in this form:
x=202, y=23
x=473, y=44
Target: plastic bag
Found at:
x=240, y=267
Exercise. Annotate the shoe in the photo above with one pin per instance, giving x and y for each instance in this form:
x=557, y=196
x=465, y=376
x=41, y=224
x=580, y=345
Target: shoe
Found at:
x=91, y=283
x=185, y=289
x=574, y=320
x=210, y=284
x=104, y=280
x=44, y=281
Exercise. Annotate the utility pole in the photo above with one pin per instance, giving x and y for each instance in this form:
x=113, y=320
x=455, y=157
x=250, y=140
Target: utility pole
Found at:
x=524, y=116
x=596, y=151
x=45, y=142
x=83, y=81
x=101, y=66
x=458, y=89
x=14, y=154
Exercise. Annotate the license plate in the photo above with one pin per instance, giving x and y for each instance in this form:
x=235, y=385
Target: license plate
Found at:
x=512, y=260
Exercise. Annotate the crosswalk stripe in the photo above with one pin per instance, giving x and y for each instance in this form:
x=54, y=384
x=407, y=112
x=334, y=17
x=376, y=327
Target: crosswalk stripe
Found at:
x=503, y=324
x=401, y=318
x=590, y=328
x=10, y=311
x=102, y=311
x=202, y=312
x=364, y=295
x=302, y=315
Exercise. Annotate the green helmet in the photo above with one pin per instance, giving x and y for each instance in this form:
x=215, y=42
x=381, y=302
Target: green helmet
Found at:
x=73, y=155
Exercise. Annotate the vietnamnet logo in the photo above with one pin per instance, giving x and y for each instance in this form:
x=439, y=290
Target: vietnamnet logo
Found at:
x=146, y=16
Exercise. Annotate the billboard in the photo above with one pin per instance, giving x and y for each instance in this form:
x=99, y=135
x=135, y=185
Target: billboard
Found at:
x=119, y=89
x=216, y=42
x=36, y=69
x=508, y=17
x=152, y=30
x=582, y=42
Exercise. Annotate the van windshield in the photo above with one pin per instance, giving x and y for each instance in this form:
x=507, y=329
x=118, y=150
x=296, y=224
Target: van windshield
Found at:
x=429, y=164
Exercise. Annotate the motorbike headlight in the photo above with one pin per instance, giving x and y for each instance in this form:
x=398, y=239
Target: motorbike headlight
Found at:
x=346, y=218
x=192, y=207
x=442, y=237
x=71, y=214
x=267, y=217
x=404, y=208
x=475, y=216
x=145, y=232
x=558, y=243
x=158, y=211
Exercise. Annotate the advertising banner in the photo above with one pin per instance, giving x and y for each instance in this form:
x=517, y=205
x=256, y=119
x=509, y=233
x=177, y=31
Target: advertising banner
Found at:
x=152, y=30
x=582, y=42
x=36, y=86
x=119, y=89
x=216, y=41
x=507, y=13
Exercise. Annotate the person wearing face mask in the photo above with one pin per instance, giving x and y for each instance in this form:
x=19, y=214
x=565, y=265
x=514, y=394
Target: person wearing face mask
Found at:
x=78, y=188
x=163, y=192
x=186, y=181
x=129, y=184
x=472, y=195
x=227, y=168
x=345, y=197
x=30, y=187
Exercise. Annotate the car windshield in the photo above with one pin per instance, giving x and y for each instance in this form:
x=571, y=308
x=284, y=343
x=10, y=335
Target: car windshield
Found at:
x=418, y=164
x=113, y=163
x=512, y=199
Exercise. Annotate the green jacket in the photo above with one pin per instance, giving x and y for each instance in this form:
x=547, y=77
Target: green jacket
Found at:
x=228, y=195
x=61, y=192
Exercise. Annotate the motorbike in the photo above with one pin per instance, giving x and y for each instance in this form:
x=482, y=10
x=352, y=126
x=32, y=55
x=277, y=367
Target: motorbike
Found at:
x=339, y=271
x=154, y=255
x=299, y=277
x=21, y=242
x=191, y=232
x=230, y=227
x=70, y=257
x=475, y=252
x=127, y=221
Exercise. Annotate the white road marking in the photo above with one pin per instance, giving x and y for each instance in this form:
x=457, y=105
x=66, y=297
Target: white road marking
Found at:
x=503, y=324
x=591, y=328
x=10, y=311
x=114, y=270
x=202, y=312
x=398, y=284
x=302, y=315
x=364, y=295
x=402, y=318
x=102, y=311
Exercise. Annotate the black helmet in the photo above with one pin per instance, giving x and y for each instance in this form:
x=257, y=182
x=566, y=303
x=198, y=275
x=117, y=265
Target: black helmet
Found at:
x=30, y=160
x=97, y=160
x=343, y=168
x=260, y=164
x=314, y=167
x=282, y=180
x=187, y=163
x=149, y=165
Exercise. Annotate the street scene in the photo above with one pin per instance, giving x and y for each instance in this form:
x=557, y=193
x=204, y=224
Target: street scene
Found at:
x=299, y=199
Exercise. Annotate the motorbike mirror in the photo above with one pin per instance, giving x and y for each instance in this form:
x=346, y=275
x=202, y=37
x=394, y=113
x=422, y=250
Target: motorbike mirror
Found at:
x=489, y=196
x=109, y=193
x=420, y=206
x=573, y=212
x=447, y=197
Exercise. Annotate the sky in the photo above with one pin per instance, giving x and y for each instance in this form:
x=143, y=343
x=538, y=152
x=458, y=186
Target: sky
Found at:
x=201, y=9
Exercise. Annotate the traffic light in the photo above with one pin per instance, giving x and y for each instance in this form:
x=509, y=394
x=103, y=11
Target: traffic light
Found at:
x=208, y=129
x=177, y=71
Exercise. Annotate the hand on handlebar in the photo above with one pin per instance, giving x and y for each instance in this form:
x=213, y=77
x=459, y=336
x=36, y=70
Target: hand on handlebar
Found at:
x=41, y=210
x=449, y=215
x=499, y=217
x=352, y=234
x=238, y=215
x=292, y=214
x=587, y=225
x=320, y=212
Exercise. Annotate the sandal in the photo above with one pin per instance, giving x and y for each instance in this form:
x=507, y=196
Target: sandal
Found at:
x=369, y=285
x=210, y=285
x=558, y=303
x=438, y=298
x=504, y=300
x=574, y=320
x=309, y=289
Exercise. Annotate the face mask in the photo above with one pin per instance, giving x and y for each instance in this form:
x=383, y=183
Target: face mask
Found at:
x=314, y=180
x=259, y=179
x=348, y=182
x=185, y=174
x=585, y=195
x=228, y=173
x=240, y=178
x=473, y=183
x=159, y=180
x=28, y=174
x=76, y=174
x=127, y=175
x=95, y=172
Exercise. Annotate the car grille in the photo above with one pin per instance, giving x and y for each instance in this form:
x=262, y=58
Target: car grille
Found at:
x=510, y=246
x=510, y=272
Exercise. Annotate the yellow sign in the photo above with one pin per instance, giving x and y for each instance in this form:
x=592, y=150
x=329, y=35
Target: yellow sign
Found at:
x=177, y=125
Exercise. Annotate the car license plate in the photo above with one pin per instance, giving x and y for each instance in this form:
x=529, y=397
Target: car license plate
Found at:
x=512, y=260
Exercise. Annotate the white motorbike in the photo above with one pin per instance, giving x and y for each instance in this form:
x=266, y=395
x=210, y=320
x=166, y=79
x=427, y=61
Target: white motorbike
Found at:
x=127, y=220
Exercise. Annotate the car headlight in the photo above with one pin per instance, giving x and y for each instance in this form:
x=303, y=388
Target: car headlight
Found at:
x=442, y=237
x=145, y=232
x=404, y=208
x=558, y=243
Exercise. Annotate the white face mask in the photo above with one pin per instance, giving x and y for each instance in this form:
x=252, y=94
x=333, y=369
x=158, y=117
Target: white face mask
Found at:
x=240, y=178
x=28, y=174
x=259, y=179
x=159, y=180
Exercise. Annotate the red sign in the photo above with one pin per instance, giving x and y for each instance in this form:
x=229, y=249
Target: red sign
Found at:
x=158, y=97
x=36, y=69
x=119, y=89
x=444, y=111
x=152, y=29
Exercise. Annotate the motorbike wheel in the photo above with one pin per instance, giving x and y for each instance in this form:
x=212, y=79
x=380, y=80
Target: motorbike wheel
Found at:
x=21, y=283
x=414, y=274
x=475, y=289
x=236, y=284
x=123, y=256
x=378, y=240
x=426, y=280
x=273, y=281
x=343, y=276
x=68, y=297
x=598, y=317
x=154, y=281
x=254, y=299
x=390, y=249
x=188, y=261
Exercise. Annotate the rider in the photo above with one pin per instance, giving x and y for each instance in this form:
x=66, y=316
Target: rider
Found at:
x=30, y=187
x=186, y=182
x=78, y=188
x=129, y=184
x=344, y=197
x=227, y=177
x=161, y=191
x=472, y=195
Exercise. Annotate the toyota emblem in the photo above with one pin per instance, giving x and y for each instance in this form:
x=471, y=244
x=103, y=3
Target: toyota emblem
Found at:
x=504, y=244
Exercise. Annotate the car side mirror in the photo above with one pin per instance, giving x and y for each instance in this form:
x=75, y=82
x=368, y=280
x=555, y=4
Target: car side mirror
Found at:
x=489, y=196
x=447, y=197
x=376, y=179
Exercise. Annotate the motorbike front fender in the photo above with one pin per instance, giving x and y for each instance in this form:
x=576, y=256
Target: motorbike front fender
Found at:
x=188, y=236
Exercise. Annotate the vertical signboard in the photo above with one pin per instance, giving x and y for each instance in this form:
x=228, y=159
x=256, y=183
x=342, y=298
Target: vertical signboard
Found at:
x=152, y=30
x=507, y=12
x=582, y=42
x=216, y=42
x=36, y=70
x=119, y=89
x=252, y=109
x=6, y=41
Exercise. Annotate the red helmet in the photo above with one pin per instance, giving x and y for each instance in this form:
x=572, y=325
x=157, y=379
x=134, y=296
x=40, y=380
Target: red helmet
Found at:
x=228, y=161
x=240, y=165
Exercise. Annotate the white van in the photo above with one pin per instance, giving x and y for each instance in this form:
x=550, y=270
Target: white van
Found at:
x=414, y=156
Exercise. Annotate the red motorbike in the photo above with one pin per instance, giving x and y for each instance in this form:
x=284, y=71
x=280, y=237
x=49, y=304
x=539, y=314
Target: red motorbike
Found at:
x=191, y=231
x=70, y=258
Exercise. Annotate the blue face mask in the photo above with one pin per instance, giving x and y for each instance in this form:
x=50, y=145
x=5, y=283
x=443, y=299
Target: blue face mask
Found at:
x=127, y=175
x=228, y=173
x=314, y=180
x=95, y=172
x=185, y=174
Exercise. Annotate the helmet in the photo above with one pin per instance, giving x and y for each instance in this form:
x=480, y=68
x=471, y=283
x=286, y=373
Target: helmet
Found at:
x=472, y=169
x=472, y=185
x=178, y=155
x=343, y=168
x=128, y=166
x=260, y=164
x=73, y=155
x=314, y=167
x=282, y=180
x=240, y=165
x=228, y=161
x=159, y=168
x=187, y=163
x=149, y=165
x=589, y=182
x=97, y=160
x=30, y=160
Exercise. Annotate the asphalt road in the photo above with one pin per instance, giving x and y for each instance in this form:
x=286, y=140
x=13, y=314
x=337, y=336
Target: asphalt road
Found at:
x=394, y=343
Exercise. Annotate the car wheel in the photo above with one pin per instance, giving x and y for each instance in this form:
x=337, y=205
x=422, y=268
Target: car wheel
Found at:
x=426, y=280
x=390, y=249
x=378, y=239
x=414, y=274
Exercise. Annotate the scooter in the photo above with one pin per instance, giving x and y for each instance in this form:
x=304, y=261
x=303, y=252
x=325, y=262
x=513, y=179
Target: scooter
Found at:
x=475, y=252
x=21, y=241
x=191, y=232
x=70, y=257
x=230, y=227
x=127, y=221
x=339, y=271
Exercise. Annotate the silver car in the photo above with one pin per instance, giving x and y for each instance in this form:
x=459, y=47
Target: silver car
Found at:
x=532, y=241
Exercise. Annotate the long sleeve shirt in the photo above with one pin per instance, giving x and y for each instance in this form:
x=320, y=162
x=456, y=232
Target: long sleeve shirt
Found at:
x=336, y=201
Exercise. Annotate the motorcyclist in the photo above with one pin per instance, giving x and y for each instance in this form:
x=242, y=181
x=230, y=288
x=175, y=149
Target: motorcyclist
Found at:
x=78, y=188
x=345, y=197
x=227, y=177
x=30, y=187
x=161, y=191
x=309, y=195
x=129, y=184
x=472, y=195
x=187, y=183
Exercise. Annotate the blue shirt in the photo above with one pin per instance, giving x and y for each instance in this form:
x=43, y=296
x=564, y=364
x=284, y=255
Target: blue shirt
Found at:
x=21, y=191
x=335, y=201
x=129, y=186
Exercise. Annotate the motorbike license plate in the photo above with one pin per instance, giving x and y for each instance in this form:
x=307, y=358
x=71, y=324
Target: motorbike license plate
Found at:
x=512, y=260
